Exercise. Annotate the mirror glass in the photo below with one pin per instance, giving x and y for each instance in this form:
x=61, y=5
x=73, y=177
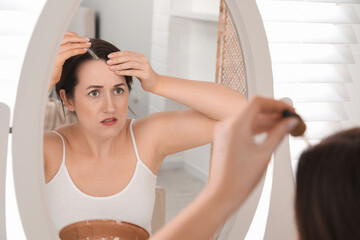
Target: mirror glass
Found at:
x=179, y=38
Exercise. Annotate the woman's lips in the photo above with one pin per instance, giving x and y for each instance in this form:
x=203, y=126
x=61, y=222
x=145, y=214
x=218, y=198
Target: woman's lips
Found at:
x=109, y=121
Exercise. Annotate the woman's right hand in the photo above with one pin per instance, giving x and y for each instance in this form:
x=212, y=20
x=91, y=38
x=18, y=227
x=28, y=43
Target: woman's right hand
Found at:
x=71, y=45
x=238, y=162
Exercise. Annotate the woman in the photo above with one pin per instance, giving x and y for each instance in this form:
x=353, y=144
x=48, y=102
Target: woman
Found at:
x=327, y=199
x=327, y=202
x=105, y=164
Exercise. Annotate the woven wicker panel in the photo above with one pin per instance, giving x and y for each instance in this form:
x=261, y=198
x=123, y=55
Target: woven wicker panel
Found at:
x=230, y=69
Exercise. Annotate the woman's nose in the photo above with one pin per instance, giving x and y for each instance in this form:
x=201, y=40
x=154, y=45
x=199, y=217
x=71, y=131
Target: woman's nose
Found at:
x=109, y=105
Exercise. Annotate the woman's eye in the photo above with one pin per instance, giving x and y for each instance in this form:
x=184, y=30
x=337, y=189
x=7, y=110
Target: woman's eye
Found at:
x=118, y=91
x=93, y=93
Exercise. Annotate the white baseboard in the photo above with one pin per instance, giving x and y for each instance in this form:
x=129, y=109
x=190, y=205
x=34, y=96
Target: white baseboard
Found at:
x=173, y=161
x=172, y=164
x=196, y=172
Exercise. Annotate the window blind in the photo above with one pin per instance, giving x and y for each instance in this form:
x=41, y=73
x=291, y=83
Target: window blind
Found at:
x=310, y=46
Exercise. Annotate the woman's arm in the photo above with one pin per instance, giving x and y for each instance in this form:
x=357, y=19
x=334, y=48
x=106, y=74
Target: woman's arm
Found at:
x=213, y=100
x=210, y=99
x=237, y=166
x=71, y=45
x=170, y=132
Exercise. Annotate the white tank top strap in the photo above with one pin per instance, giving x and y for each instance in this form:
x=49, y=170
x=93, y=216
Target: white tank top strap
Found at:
x=63, y=142
x=136, y=150
x=135, y=203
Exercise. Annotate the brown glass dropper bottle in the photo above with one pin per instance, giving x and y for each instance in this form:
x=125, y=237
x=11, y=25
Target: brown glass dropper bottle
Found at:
x=301, y=127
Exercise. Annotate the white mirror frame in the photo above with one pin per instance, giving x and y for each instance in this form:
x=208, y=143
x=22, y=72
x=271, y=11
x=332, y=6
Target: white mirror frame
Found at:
x=28, y=124
x=4, y=134
x=254, y=45
x=280, y=223
x=256, y=55
x=32, y=94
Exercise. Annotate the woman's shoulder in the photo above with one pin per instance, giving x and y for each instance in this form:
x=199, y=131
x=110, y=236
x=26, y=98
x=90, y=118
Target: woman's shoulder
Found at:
x=51, y=138
x=53, y=150
x=148, y=130
x=142, y=127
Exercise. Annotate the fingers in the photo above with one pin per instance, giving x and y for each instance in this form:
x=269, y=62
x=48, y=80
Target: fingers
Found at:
x=277, y=133
x=124, y=53
x=269, y=105
x=124, y=57
x=127, y=66
x=258, y=105
x=74, y=46
x=71, y=37
x=134, y=73
x=62, y=57
x=128, y=63
x=264, y=122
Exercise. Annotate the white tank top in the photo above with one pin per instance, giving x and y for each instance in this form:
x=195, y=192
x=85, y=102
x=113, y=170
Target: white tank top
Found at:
x=134, y=204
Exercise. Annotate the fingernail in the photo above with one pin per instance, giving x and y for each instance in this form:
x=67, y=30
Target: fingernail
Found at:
x=110, y=62
x=292, y=124
x=89, y=43
x=88, y=39
x=85, y=49
x=112, y=67
x=110, y=55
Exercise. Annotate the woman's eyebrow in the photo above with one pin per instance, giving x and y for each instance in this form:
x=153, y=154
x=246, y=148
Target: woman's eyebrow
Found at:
x=94, y=86
x=118, y=85
x=99, y=86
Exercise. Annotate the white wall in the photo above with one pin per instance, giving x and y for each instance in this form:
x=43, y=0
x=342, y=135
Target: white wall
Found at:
x=127, y=24
x=185, y=47
x=175, y=46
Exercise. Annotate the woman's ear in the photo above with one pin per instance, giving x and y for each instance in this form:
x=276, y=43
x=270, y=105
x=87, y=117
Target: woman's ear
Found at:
x=68, y=102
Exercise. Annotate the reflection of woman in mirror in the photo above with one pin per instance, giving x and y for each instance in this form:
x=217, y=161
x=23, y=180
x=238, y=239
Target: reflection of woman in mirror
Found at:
x=104, y=166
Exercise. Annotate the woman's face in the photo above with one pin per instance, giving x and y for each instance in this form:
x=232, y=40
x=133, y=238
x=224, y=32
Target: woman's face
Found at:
x=101, y=99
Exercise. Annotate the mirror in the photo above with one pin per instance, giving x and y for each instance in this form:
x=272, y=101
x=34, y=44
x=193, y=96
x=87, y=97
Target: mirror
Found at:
x=178, y=41
x=28, y=168
x=32, y=199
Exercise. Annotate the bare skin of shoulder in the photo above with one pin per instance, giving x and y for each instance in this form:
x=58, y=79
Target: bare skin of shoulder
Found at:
x=95, y=177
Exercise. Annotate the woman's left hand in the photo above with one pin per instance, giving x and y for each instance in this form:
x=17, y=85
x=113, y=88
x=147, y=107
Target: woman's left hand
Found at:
x=126, y=63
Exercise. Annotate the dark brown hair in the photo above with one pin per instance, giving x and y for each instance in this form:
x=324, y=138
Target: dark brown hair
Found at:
x=327, y=200
x=69, y=75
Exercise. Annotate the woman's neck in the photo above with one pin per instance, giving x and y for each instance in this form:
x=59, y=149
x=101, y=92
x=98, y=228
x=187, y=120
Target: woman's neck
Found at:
x=98, y=147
